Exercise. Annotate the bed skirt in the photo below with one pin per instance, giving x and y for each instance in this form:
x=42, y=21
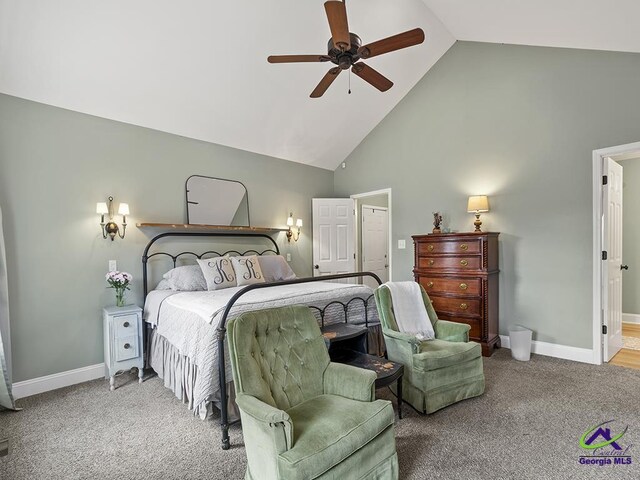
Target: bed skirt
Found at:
x=180, y=376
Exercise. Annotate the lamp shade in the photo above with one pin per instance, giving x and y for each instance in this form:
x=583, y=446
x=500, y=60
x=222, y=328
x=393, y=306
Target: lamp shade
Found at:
x=123, y=209
x=289, y=221
x=101, y=208
x=299, y=223
x=478, y=203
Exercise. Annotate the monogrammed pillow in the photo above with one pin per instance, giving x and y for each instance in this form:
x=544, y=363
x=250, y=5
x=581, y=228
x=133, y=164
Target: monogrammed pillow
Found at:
x=218, y=272
x=247, y=270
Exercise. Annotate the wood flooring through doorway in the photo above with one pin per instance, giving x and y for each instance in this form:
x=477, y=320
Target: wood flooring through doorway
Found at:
x=627, y=357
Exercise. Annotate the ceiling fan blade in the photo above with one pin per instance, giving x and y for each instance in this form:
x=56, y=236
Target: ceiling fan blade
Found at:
x=297, y=58
x=372, y=76
x=337, y=16
x=326, y=82
x=390, y=44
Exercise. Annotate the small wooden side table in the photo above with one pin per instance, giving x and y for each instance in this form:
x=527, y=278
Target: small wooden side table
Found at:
x=122, y=341
x=347, y=344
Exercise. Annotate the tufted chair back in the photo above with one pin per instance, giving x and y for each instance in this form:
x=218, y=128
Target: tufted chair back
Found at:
x=280, y=355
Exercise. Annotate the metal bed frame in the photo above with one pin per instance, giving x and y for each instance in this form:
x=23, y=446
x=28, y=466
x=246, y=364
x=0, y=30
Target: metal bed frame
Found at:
x=221, y=330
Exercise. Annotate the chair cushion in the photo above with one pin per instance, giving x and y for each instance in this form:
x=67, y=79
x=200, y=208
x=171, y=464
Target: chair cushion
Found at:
x=328, y=429
x=435, y=354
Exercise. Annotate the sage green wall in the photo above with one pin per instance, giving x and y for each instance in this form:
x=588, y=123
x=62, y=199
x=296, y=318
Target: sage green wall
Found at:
x=56, y=164
x=631, y=236
x=519, y=124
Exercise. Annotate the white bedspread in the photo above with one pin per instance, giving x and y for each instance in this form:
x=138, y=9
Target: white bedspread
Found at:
x=210, y=305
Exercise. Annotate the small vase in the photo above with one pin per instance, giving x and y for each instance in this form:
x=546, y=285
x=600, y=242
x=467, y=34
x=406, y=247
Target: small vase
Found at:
x=119, y=297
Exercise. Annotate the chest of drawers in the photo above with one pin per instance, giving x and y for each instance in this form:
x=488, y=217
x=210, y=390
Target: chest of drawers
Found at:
x=460, y=271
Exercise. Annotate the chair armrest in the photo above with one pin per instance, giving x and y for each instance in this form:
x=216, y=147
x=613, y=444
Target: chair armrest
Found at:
x=268, y=432
x=452, y=331
x=350, y=382
x=403, y=337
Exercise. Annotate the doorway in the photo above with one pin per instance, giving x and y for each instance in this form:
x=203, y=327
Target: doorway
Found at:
x=612, y=261
x=373, y=234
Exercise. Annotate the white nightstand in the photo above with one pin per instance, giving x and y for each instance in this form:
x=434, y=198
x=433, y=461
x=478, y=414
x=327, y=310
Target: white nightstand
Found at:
x=122, y=341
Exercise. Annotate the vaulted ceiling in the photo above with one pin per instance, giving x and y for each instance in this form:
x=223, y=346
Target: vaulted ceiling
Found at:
x=198, y=68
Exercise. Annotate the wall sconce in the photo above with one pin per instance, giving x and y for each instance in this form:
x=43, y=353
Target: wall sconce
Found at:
x=476, y=205
x=111, y=228
x=290, y=232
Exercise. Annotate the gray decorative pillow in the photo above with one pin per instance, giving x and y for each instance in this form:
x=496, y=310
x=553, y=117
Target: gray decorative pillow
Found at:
x=218, y=272
x=247, y=270
x=187, y=278
x=275, y=268
x=163, y=285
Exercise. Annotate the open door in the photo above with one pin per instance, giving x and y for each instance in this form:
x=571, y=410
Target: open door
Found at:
x=375, y=243
x=333, y=236
x=612, y=265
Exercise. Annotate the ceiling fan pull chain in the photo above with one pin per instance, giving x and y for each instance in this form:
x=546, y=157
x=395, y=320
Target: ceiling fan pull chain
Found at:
x=349, y=82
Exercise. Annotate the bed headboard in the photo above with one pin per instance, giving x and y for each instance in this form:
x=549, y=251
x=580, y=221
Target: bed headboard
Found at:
x=229, y=236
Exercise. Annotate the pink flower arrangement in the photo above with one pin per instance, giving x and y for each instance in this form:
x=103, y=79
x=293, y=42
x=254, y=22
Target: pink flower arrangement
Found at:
x=120, y=282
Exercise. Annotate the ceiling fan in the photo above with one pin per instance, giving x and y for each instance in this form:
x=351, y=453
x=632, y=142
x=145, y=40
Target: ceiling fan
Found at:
x=345, y=49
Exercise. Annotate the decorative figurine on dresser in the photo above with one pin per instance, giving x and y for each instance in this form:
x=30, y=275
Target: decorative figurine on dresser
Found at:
x=459, y=271
x=122, y=341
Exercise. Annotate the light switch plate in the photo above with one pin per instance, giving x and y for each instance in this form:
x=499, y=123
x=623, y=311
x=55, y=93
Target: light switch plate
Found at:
x=288, y=257
x=402, y=244
x=113, y=265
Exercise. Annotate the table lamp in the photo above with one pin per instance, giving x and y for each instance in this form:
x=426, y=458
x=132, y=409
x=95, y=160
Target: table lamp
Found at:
x=476, y=205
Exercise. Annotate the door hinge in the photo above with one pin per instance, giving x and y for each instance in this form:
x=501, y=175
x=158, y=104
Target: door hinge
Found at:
x=605, y=179
x=354, y=256
x=604, y=329
x=604, y=255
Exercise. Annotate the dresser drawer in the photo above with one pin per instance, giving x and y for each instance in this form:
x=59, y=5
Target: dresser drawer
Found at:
x=456, y=305
x=462, y=286
x=475, y=323
x=125, y=325
x=451, y=263
x=126, y=348
x=450, y=246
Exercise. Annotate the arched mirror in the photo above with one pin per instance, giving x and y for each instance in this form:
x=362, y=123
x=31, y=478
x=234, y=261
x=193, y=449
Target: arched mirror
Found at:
x=216, y=201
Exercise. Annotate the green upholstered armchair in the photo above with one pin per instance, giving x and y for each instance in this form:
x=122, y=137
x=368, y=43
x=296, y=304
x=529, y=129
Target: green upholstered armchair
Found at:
x=438, y=372
x=304, y=417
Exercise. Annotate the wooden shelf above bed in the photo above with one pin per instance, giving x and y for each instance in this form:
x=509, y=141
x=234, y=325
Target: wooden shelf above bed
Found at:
x=218, y=228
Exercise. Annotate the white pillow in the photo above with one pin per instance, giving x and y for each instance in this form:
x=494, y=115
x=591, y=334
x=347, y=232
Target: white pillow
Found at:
x=163, y=285
x=275, y=268
x=187, y=278
x=247, y=270
x=218, y=272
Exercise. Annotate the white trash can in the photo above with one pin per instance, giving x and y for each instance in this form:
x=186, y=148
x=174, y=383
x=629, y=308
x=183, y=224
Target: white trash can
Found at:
x=520, y=341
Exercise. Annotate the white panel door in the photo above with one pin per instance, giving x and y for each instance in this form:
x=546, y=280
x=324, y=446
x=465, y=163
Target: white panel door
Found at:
x=375, y=243
x=612, y=268
x=333, y=236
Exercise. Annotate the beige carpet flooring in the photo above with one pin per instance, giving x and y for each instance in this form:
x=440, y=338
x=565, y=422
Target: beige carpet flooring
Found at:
x=526, y=426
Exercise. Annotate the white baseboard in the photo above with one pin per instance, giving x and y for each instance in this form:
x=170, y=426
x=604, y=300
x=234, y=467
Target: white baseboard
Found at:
x=57, y=380
x=630, y=318
x=584, y=355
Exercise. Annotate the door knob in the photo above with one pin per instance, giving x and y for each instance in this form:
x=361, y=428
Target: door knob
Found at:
x=317, y=267
x=624, y=267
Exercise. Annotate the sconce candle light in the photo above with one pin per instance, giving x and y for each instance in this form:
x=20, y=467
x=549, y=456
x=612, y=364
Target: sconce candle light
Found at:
x=111, y=228
x=290, y=224
x=476, y=205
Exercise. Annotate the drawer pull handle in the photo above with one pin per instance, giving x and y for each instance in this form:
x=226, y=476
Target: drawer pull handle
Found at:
x=464, y=306
x=127, y=346
x=463, y=286
x=431, y=261
x=464, y=246
x=464, y=263
x=125, y=324
x=430, y=248
x=430, y=284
